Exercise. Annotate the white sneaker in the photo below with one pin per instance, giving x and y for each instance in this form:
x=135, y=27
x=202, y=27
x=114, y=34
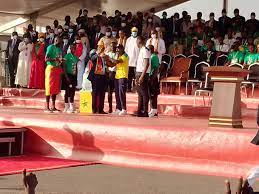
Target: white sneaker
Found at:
x=123, y=112
x=153, y=113
x=116, y=112
x=71, y=109
x=66, y=108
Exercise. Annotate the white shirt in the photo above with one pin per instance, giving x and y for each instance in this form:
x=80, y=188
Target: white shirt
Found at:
x=132, y=50
x=143, y=54
x=229, y=42
x=222, y=48
x=161, y=47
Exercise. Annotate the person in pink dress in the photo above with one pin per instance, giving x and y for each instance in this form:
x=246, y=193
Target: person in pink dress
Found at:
x=37, y=75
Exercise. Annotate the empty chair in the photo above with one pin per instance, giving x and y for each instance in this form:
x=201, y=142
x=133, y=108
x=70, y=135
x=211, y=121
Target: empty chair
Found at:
x=195, y=60
x=165, y=65
x=179, y=73
x=252, y=78
x=221, y=60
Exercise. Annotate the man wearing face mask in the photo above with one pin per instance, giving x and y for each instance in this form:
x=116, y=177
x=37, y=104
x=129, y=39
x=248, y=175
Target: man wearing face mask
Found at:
x=252, y=25
x=97, y=35
x=24, y=63
x=117, y=19
x=224, y=23
x=158, y=43
x=71, y=34
x=212, y=23
x=55, y=27
x=238, y=21
x=107, y=40
x=50, y=39
x=37, y=74
x=114, y=33
x=132, y=51
x=65, y=45
x=12, y=55
x=60, y=31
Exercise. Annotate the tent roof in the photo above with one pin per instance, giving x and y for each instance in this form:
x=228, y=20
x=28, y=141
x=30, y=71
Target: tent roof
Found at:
x=48, y=10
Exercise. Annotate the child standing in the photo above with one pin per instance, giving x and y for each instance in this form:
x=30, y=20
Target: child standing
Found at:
x=154, y=89
x=70, y=79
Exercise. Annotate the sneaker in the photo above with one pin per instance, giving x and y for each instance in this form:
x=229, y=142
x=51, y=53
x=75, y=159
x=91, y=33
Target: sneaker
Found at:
x=71, y=110
x=123, y=112
x=153, y=113
x=116, y=112
x=66, y=108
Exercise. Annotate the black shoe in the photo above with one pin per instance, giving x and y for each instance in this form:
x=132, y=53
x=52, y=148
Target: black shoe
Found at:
x=103, y=113
x=145, y=114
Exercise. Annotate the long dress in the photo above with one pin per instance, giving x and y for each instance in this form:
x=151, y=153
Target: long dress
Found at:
x=81, y=52
x=24, y=65
x=37, y=75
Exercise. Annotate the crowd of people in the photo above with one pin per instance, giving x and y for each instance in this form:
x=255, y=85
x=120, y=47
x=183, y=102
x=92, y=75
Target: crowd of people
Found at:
x=123, y=52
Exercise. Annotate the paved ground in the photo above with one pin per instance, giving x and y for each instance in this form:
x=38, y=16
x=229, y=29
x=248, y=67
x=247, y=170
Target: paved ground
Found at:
x=101, y=179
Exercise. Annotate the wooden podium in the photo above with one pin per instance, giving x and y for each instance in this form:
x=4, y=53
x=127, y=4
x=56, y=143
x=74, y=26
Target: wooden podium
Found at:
x=226, y=102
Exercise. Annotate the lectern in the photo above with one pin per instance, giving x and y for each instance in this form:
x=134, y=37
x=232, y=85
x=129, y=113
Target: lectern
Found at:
x=226, y=102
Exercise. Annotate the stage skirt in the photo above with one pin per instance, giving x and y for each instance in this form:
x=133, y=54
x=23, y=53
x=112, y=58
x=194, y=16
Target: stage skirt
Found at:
x=52, y=80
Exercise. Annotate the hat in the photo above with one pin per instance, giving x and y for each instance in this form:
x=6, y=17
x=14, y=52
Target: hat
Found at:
x=134, y=29
x=41, y=35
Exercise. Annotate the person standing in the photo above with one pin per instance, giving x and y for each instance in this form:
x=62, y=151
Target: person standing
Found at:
x=81, y=53
x=37, y=74
x=142, y=75
x=121, y=78
x=70, y=79
x=53, y=74
x=132, y=51
x=12, y=55
x=65, y=45
x=50, y=39
x=154, y=89
x=224, y=23
x=158, y=43
x=24, y=63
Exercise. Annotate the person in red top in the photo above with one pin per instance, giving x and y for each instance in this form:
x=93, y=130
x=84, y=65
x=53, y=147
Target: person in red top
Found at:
x=37, y=74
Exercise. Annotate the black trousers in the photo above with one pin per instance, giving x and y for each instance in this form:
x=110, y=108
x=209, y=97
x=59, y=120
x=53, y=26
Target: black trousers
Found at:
x=131, y=78
x=99, y=83
x=70, y=88
x=120, y=93
x=12, y=68
x=143, y=96
x=110, y=88
x=154, y=91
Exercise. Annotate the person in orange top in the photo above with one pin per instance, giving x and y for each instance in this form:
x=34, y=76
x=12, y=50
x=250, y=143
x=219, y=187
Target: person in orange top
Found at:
x=37, y=74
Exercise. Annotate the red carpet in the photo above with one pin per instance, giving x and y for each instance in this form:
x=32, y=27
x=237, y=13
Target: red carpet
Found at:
x=15, y=165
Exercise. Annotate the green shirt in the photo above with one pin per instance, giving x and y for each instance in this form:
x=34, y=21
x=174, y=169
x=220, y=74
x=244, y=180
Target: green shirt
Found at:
x=251, y=58
x=53, y=52
x=236, y=57
x=154, y=63
x=71, y=63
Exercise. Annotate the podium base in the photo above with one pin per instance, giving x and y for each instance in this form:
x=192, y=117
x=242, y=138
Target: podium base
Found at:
x=225, y=122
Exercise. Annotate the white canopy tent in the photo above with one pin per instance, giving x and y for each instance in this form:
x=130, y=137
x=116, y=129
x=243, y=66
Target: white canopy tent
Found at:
x=16, y=14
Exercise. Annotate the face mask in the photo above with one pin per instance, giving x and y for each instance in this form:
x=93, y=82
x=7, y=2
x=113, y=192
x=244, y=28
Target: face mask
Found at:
x=153, y=36
x=236, y=14
x=252, y=17
x=42, y=39
x=65, y=41
x=164, y=16
x=26, y=40
x=123, y=24
x=224, y=14
x=70, y=30
x=158, y=29
x=114, y=34
x=78, y=41
x=15, y=37
x=60, y=30
x=149, y=20
x=108, y=34
x=134, y=34
x=34, y=34
x=211, y=17
x=52, y=35
x=104, y=15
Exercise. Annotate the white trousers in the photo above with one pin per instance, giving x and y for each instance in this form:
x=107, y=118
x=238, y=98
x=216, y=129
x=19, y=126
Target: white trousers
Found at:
x=80, y=73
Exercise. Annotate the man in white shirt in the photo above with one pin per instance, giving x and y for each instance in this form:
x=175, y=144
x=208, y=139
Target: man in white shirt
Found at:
x=132, y=50
x=221, y=47
x=142, y=75
x=229, y=39
x=158, y=43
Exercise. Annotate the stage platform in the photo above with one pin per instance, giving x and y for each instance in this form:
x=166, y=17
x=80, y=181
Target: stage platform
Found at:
x=179, y=140
x=164, y=143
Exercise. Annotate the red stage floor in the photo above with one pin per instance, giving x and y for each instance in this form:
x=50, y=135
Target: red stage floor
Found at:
x=165, y=143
